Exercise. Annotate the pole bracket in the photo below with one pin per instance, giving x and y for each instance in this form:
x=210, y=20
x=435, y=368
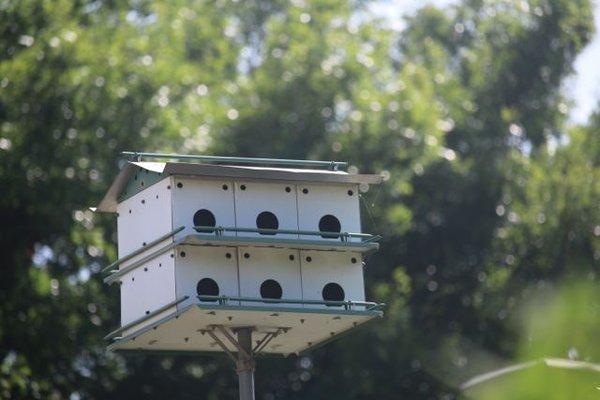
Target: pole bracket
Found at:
x=245, y=359
x=262, y=343
x=243, y=363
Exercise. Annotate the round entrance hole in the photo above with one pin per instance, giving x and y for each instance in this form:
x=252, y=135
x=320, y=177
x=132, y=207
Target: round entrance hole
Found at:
x=207, y=287
x=333, y=292
x=270, y=289
x=204, y=217
x=329, y=223
x=267, y=220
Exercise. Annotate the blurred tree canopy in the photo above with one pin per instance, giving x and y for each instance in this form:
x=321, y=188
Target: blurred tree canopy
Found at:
x=489, y=196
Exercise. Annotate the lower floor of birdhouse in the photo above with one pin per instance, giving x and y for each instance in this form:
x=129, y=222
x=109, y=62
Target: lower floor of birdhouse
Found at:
x=204, y=327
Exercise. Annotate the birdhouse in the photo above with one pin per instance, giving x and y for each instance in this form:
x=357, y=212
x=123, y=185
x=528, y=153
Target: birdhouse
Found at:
x=210, y=244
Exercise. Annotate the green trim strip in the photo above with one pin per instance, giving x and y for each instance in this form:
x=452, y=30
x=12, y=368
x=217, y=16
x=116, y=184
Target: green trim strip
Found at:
x=145, y=318
x=366, y=313
x=219, y=230
x=118, y=273
x=368, y=305
x=360, y=247
x=142, y=249
x=331, y=165
x=363, y=246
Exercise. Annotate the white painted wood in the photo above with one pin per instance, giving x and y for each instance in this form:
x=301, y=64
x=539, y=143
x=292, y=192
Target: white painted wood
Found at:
x=155, y=319
x=306, y=329
x=262, y=264
x=253, y=198
x=320, y=200
x=326, y=267
x=173, y=202
x=148, y=251
x=144, y=217
x=197, y=194
x=206, y=262
x=147, y=288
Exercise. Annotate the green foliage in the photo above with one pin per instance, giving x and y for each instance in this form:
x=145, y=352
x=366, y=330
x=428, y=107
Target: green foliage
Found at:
x=560, y=330
x=488, y=195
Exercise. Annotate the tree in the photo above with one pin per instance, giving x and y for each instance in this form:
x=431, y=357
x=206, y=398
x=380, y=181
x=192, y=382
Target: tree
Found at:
x=456, y=112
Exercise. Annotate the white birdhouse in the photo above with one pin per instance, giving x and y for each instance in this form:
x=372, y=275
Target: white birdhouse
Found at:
x=220, y=243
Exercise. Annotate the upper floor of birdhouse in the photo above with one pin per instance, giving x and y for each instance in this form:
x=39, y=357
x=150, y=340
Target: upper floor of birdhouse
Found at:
x=284, y=201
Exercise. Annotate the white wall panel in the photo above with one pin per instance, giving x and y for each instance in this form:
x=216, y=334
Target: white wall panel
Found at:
x=322, y=267
x=192, y=195
x=149, y=250
x=144, y=217
x=199, y=262
x=256, y=265
x=317, y=200
x=147, y=288
x=254, y=198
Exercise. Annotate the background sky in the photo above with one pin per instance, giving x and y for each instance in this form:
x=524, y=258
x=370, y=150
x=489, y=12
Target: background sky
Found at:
x=583, y=88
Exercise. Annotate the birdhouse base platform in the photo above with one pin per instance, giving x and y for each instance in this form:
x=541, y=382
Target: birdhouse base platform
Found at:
x=209, y=327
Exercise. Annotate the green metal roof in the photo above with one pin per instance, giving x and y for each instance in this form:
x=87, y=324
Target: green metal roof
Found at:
x=125, y=184
x=331, y=165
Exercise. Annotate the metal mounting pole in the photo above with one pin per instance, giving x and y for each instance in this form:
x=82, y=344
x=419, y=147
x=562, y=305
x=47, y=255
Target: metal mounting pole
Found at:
x=245, y=364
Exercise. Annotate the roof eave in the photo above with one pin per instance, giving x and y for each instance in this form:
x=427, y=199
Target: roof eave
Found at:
x=239, y=172
x=110, y=200
x=109, y=203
